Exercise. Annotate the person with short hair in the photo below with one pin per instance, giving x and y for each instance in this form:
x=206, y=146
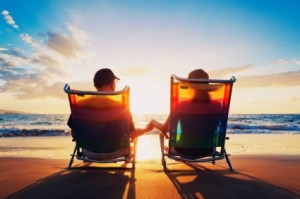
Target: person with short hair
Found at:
x=105, y=81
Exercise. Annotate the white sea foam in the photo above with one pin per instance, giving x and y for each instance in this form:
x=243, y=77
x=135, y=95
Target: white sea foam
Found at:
x=53, y=125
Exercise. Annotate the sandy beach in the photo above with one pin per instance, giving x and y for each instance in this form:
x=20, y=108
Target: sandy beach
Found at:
x=266, y=166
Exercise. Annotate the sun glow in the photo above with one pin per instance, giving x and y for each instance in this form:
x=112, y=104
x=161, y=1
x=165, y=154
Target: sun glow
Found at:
x=147, y=99
x=148, y=147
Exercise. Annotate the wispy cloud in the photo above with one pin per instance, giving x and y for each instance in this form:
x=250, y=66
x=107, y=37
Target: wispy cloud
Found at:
x=282, y=79
x=27, y=38
x=282, y=61
x=297, y=62
x=77, y=34
x=9, y=19
x=15, y=52
x=229, y=71
x=53, y=66
x=62, y=44
x=136, y=71
x=8, y=70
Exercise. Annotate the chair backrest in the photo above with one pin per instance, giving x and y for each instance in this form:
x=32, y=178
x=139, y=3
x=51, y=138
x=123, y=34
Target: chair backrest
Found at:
x=101, y=120
x=199, y=112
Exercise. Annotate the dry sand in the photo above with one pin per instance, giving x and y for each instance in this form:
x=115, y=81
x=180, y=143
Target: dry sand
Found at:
x=266, y=166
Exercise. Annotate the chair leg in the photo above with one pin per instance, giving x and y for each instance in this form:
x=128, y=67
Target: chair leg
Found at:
x=228, y=161
x=134, y=152
x=72, y=157
x=214, y=161
x=162, y=144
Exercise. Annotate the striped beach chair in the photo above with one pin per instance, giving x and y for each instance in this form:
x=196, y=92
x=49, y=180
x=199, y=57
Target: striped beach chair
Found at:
x=198, y=120
x=101, y=126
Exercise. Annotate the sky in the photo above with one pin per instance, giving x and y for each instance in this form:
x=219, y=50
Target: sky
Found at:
x=47, y=43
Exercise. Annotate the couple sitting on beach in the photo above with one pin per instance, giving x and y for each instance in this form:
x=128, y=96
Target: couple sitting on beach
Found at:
x=105, y=81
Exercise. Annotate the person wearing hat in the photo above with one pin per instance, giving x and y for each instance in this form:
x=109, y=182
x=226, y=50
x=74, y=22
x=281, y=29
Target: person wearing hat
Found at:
x=198, y=97
x=105, y=81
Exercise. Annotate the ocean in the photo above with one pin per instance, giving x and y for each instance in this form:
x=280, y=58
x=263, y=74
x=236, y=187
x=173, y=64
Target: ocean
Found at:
x=13, y=125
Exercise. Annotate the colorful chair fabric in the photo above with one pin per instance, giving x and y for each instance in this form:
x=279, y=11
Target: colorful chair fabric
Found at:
x=198, y=120
x=101, y=126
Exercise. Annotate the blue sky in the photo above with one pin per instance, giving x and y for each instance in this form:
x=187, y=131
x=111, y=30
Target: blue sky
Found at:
x=45, y=44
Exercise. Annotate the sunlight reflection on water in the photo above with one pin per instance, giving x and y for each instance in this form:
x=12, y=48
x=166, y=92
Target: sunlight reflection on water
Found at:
x=148, y=147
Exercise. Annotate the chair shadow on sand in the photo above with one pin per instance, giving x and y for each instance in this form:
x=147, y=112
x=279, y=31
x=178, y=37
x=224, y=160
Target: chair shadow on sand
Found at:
x=201, y=182
x=84, y=182
x=190, y=181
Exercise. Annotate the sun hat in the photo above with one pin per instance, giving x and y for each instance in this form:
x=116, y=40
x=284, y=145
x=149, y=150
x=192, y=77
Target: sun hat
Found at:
x=201, y=74
x=198, y=74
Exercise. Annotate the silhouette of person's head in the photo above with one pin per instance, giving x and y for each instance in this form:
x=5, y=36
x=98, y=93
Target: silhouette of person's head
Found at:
x=199, y=94
x=198, y=74
x=104, y=80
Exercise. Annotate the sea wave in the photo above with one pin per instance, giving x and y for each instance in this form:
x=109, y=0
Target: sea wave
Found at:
x=32, y=132
x=12, y=125
x=264, y=127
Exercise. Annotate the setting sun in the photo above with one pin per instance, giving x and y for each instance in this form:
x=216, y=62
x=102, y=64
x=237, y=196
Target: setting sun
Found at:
x=147, y=98
x=144, y=47
x=70, y=131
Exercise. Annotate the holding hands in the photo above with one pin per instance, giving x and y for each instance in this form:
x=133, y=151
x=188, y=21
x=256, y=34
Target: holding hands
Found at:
x=161, y=127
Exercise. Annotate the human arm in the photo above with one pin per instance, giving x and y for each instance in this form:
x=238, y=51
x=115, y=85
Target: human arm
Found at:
x=140, y=131
x=163, y=127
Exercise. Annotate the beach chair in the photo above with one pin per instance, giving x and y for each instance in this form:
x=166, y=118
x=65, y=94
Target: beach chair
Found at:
x=198, y=120
x=101, y=126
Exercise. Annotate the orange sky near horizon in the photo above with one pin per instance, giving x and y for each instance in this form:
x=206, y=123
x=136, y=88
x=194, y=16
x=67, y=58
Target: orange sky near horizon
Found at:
x=46, y=44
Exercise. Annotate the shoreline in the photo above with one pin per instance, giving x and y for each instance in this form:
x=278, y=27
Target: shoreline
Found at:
x=59, y=147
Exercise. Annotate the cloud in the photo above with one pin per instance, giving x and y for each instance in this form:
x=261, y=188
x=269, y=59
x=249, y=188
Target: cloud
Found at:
x=62, y=44
x=297, y=62
x=23, y=79
x=53, y=66
x=8, y=72
x=28, y=83
x=32, y=86
x=38, y=71
x=6, y=64
x=37, y=45
x=136, y=71
x=15, y=52
x=45, y=60
x=9, y=19
x=43, y=56
x=282, y=79
x=229, y=71
x=80, y=36
x=282, y=61
x=27, y=38
x=10, y=60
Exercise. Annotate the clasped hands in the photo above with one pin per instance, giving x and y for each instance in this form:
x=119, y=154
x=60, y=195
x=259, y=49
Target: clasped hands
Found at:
x=155, y=124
